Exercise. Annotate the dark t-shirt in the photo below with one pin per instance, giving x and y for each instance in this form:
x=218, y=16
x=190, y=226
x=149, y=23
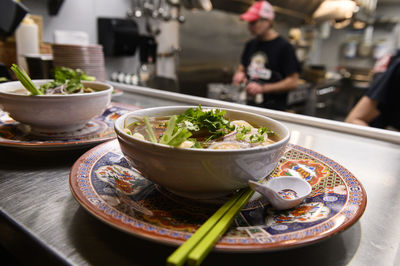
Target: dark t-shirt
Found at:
x=267, y=62
x=385, y=89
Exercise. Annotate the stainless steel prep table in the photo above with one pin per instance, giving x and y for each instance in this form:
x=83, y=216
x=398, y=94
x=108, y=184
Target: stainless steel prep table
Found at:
x=42, y=224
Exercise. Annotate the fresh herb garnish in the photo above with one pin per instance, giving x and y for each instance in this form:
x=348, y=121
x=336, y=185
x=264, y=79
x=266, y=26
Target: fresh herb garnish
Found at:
x=66, y=81
x=200, y=123
x=242, y=131
x=253, y=138
x=270, y=132
x=196, y=144
x=262, y=130
x=256, y=138
x=213, y=120
x=62, y=74
x=180, y=128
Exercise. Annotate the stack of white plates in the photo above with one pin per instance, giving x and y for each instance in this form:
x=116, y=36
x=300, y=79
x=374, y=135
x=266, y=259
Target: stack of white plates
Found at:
x=89, y=58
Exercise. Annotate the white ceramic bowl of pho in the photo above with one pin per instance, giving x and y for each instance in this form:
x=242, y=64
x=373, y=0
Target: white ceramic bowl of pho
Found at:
x=54, y=113
x=249, y=148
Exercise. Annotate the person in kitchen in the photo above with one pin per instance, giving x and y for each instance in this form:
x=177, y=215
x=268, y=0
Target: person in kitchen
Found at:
x=379, y=106
x=269, y=66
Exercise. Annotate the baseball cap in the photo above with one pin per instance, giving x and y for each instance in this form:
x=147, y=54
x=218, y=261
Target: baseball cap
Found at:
x=260, y=9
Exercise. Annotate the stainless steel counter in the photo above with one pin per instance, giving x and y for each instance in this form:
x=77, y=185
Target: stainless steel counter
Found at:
x=42, y=224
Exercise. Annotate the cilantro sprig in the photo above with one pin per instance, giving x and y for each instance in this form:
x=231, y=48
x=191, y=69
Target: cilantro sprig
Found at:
x=243, y=131
x=213, y=120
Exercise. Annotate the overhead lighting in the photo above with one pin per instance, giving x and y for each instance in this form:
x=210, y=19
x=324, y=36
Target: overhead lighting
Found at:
x=335, y=10
x=359, y=25
x=340, y=24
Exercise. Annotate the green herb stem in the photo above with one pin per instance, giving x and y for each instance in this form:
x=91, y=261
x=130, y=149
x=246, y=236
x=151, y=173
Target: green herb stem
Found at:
x=25, y=80
x=149, y=130
x=180, y=136
x=169, y=131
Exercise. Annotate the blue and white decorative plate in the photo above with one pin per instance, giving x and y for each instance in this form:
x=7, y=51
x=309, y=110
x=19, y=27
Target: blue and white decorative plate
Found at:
x=104, y=184
x=99, y=129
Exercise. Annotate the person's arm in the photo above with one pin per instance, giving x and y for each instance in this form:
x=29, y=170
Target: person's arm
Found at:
x=240, y=75
x=363, y=112
x=287, y=84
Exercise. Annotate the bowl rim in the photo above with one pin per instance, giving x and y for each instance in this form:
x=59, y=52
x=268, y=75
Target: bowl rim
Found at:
x=121, y=134
x=109, y=89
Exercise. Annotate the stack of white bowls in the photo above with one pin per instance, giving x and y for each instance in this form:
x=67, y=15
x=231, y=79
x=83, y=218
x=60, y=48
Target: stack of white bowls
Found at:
x=89, y=58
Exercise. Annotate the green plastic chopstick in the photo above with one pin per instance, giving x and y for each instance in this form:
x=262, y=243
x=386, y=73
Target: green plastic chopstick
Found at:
x=180, y=255
x=198, y=253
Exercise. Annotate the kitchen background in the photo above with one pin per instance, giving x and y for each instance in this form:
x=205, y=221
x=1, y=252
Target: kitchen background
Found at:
x=194, y=46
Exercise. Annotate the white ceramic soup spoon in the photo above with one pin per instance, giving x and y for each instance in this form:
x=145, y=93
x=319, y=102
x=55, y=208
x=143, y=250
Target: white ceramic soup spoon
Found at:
x=283, y=192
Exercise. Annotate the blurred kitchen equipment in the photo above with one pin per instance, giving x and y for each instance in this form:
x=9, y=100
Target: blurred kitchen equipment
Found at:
x=147, y=56
x=164, y=10
x=365, y=48
x=118, y=36
x=314, y=73
x=338, y=11
x=155, y=11
x=137, y=10
x=299, y=95
x=350, y=48
x=127, y=78
x=380, y=49
x=71, y=37
x=27, y=40
x=148, y=49
x=180, y=18
x=39, y=65
x=4, y=74
x=54, y=6
x=226, y=92
x=353, y=85
x=232, y=93
x=205, y=5
x=151, y=27
x=11, y=14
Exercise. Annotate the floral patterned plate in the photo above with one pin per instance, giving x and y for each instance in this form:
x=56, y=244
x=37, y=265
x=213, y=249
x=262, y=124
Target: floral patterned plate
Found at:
x=104, y=184
x=99, y=129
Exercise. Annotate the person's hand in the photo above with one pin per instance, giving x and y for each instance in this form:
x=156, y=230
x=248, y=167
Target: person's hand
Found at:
x=254, y=88
x=239, y=77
